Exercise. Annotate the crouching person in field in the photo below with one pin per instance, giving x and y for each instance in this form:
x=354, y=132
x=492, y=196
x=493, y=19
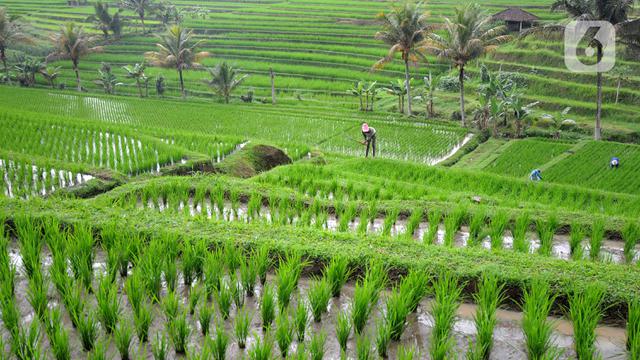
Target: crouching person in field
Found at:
x=369, y=134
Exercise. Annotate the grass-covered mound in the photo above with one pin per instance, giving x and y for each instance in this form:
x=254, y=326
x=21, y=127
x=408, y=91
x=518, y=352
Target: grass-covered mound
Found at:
x=253, y=159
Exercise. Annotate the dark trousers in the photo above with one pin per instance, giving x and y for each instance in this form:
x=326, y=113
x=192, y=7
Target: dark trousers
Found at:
x=371, y=143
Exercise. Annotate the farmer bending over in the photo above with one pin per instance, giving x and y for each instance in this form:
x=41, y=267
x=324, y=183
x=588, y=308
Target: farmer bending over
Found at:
x=536, y=175
x=369, y=134
x=614, y=163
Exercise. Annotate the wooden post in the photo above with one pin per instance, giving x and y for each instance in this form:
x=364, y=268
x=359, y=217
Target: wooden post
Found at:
x=273, y=86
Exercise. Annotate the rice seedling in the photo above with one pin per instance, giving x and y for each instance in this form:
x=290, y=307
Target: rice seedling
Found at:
x=150, y=265
x=337, y=273
x=488, y=298
x=52, y=321
x=220, y=342
x=406, y=353
x=383, y=338
x=363, y=224
x=171, y=305
x=262, y=262
x=519, y=232
x=195, y=292
x=434, y=216
x=267, y=307
x=447, y=292
x=498, y=225
x=630, y=234
x=224, y=300
x=108, y=304
x=10, y=314
x=575, y=241
x=633, y=330
x=179, y=331
x=160, y=347
x=205, y=314
x=232, y=257
x=249, y=274
x=319, y=296
x=414, y=288
x=99, y=351
x=27, y=344
x=546, y=230
x=413, y=222
x=363, y=348
x=142, y=320
x=287, y=277
x=585, y=311
x=29, y=239
x=134, y=288
x=390, y=221
x=88, y=330
x=346, y=217
x=189, y=262
x=261, y=349
x=237, y=293
x=170, y=274
x=123, y=337
x=301, y=320
x=59, y=342
x=596, y=240
x=213, y=270
x=37, y=294
x=476, y=226
x=452, y=223
x=361, y=306
x=343, y=330
x=80, y=248
x=316, y=346
x=538, y=330
x=241, y=326
x=397, y=310
x=283, y=333
x=74, y=302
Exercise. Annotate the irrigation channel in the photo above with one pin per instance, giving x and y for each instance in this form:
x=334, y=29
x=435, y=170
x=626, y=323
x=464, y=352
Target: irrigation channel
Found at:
x=509, y=340
x=610, y=251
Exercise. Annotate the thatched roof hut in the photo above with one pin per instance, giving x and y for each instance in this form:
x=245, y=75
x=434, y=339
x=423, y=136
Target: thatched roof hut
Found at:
x=516, y=19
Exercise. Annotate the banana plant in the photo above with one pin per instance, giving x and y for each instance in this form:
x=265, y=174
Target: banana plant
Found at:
x=136, y=72
x=397, y=88
x=358, y=90
x=371, y=91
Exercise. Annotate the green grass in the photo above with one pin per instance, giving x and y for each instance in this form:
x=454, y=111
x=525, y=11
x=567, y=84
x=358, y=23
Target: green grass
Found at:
x=518, y=158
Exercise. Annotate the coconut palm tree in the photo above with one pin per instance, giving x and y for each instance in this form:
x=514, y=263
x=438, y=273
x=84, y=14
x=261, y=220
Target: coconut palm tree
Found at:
x=141, y=8
x=615, y=12
x=11, y=31
x=224, y=79
x=106, y=22
x=136, y=72
x=469, y=35
x=177, y=50
x=403, y=28
x=72, y=43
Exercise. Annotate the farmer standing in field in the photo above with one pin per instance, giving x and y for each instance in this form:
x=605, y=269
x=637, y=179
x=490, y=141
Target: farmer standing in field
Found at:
x=535, y=175
x=369, y=134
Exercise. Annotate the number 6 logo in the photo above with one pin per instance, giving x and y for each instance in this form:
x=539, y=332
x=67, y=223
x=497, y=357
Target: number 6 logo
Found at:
x=594, y=32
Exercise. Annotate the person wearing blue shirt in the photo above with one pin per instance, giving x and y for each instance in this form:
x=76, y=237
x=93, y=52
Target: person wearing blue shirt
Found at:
x=614, y=163
x=535, y=175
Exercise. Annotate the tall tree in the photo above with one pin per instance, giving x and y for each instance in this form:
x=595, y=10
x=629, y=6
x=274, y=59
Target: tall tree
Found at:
x=106, y=22
x=177, y=50
x=136, y=72
x=469, y=35
x=403, y=28
x=71, y=42
x=615, y=12
x=141, y=7
x=224, y=79
x=11, y=31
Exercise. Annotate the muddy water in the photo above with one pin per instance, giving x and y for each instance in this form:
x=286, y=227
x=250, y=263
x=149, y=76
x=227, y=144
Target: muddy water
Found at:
x=611, y=251
x=508, y=337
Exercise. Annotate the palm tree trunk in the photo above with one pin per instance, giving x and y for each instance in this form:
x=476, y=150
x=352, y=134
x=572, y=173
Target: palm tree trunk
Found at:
x=408, y=85
x=618, y=90
x=142, y=22
x=77, y=71
x=361, y=105
x=598, y=130
x=461, y=80
x=181, y=83
x=139, y=88
x=3, y=55
x=273, y=86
